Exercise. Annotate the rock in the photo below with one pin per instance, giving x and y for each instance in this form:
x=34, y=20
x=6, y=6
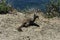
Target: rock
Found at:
x=49, y=28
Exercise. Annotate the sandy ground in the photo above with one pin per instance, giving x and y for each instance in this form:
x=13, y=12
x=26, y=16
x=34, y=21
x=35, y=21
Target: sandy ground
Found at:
x=49, y=28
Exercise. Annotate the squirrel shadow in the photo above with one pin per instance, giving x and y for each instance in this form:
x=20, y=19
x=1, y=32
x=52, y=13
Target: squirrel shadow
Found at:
x=28, y=24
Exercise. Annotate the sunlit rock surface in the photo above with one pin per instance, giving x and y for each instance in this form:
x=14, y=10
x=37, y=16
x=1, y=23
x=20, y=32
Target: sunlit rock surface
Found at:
x=49, y=28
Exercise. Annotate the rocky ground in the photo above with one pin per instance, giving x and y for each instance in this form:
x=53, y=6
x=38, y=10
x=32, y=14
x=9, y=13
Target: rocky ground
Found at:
x=49, y=28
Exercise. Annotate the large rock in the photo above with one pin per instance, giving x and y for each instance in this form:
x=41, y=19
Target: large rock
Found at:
x=49, y=28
